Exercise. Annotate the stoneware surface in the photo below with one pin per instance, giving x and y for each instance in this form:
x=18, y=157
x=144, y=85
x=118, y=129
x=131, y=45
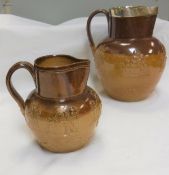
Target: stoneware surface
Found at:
x=62, y=111
x=128, y=53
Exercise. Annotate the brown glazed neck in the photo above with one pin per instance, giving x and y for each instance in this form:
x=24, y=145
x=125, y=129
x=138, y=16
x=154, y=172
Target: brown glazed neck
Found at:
x=61, y=76
x=132, y=27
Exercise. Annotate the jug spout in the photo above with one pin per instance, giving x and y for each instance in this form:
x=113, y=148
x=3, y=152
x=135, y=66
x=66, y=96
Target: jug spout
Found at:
x=133, y=11
x=61, y=76
x=132, y=21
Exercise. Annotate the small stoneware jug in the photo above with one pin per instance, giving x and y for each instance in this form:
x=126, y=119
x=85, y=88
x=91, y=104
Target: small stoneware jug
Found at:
x=130, y=60
x=62, y=111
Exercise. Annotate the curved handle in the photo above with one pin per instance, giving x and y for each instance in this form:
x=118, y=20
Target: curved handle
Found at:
x=89, y=25
x=10, y=86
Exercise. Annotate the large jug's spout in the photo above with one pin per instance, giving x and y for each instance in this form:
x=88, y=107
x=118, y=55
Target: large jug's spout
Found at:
x=132, y=22
x=133, y=11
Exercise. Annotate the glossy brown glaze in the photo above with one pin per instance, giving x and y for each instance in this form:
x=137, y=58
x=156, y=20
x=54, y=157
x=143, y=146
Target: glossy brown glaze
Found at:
x=61, y=77
x=62, y=111
x=129, y=61
x=132, y=27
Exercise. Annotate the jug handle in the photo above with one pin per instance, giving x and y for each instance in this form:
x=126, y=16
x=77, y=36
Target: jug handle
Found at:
x=92, y=44
x=19, y=100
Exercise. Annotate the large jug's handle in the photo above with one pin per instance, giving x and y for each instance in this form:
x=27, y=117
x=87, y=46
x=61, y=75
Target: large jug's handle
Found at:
x=11, y=89
x=89, y=25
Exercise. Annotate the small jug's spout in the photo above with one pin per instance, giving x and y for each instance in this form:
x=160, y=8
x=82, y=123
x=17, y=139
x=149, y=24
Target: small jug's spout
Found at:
x=61, y=76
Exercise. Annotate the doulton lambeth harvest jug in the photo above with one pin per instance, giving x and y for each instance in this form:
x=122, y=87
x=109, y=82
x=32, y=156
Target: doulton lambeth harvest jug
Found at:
x=129, y=61
x=62, y=111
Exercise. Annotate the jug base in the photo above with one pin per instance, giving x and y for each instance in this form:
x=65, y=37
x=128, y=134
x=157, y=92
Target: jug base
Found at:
x=63, y=150
x=129, y=99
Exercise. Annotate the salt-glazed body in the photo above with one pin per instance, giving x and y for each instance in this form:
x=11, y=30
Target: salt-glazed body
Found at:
x=130, y=60
x=62, y=111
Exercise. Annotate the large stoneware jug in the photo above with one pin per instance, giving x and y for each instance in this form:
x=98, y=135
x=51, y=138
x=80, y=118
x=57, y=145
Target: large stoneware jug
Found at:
x=62, y=111
x=130, y=60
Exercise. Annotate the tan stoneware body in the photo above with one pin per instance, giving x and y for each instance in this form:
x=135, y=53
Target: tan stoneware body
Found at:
x=130, y=60
x=62, y=111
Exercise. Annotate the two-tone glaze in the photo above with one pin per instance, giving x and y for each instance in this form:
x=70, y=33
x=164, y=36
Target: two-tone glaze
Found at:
x=130, y=60
x=62, y=111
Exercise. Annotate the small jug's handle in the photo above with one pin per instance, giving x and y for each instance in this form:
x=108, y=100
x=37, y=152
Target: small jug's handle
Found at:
x=11, y=89
x=89, y=25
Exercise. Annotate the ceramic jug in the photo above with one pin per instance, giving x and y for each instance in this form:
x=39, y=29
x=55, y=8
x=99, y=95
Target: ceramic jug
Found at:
x=130, y=60
x=62, y=111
